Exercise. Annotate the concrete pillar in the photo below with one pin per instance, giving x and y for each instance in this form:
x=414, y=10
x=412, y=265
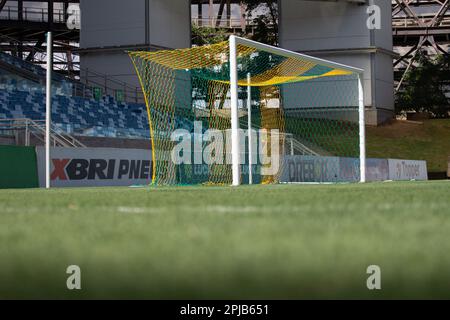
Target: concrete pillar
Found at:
x=338, y=31
x=110, y=27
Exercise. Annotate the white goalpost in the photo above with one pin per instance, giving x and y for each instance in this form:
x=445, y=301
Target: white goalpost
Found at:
x=362, y=128
x=249, y=129
x=234, y=112
x=48, y=105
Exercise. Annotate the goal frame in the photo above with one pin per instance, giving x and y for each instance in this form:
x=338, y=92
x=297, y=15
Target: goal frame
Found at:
x=234, y=41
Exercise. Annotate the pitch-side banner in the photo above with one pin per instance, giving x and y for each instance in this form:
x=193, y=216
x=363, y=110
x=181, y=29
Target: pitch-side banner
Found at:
x=331, y=169
x=310, y=169
x=334, y=169
x=407, y=170
x=85, y=167
x=376, y=169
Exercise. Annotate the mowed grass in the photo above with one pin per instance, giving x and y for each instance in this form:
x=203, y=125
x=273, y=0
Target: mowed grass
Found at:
x=268, y=242
x=429, y=140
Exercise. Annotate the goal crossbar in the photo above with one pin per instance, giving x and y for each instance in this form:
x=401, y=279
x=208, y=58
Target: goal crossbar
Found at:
x=293, y=54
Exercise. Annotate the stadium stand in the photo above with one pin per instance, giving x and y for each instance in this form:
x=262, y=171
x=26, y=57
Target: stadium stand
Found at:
x=22, y=97
x=18, y=74
x=77, y=115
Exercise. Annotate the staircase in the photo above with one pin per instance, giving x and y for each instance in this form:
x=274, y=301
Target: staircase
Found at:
x=295, y=147
x=36, y=128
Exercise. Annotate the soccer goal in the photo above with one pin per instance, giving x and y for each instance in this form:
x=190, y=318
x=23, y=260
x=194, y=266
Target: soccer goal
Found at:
x=242, y=112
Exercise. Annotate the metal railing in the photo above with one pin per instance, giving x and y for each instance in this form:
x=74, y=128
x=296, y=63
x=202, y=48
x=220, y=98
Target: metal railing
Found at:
x=231, y=24
x=33, y=14
x=224, y=22
x=407, y=22
x=108, y=86
x=36, y=128
x=88, y=83
x=295, y=147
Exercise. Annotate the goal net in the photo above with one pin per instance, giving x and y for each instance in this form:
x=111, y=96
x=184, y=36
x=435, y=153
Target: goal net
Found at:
x=240, y=112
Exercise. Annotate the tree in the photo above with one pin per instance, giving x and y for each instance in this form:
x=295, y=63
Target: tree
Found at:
x=266, y=20
x=207, y=35
x=424, y=89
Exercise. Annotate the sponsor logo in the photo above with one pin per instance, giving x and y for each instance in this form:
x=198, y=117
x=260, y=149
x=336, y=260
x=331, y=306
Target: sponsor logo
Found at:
x=312, y=169
x=408, y=170
x=100, y=169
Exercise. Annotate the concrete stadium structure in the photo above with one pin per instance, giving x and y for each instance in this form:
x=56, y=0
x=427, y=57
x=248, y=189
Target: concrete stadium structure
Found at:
x=335, y=30
x=110, y=27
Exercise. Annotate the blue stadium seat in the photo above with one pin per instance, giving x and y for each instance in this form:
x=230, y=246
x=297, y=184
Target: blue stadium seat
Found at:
x=82, y=116
x=20, y=98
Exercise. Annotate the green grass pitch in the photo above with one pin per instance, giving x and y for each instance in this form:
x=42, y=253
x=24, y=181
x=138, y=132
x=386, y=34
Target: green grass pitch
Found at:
x=269, y=242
